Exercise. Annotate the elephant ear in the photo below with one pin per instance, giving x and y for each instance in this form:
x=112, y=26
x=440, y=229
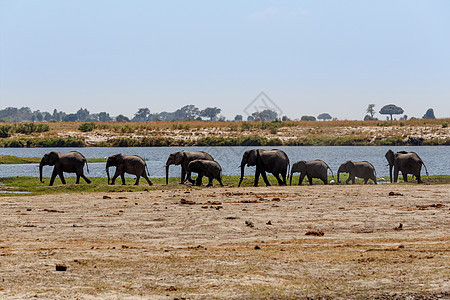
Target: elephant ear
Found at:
x=390, y=157
x=52, y=158
x=349, y=165
x=119, y=158
x=179, y=156
x=252, y=157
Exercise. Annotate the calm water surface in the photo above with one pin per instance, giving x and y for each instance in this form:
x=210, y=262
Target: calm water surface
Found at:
x=436, y=158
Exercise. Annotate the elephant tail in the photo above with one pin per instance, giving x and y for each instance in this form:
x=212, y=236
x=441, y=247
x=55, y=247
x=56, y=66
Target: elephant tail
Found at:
x=332, y=175
x=87, y=167
x=426, y=170
x=148, y=173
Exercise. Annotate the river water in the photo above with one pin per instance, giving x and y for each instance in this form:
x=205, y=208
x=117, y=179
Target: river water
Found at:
x=436, y=158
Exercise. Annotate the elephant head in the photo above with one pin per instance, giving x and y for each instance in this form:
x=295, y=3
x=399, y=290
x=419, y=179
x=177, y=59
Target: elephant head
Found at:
x=299, y=166
x=250, y=158
x=49, y=159
x=175, y=158
x=113, y=161
x=390, y=156
x=346, y=167
x=195, y=166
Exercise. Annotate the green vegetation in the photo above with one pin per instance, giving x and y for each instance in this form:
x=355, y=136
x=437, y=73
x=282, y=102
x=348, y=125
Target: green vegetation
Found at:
x=8, y=159
x=444, y=124
x=42, y=142
x=32, y=186
x=24, y=128
x=87, y=126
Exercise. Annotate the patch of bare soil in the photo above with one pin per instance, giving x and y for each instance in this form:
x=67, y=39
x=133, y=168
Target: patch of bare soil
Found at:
x=352, y=241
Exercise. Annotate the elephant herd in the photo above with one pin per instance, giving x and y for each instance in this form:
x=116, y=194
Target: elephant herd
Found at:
x=273, y=161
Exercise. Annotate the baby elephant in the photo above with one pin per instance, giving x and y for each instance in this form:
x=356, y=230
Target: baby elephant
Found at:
x=312, y=169
x=131, y=164
x=208, y=168
x=361, y=169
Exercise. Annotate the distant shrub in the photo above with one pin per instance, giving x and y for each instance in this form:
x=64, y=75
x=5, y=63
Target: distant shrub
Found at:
x=246, y=126
x=127, y=129
x=28, y=128
x=444, y=124
x=4, y=131
x=88, y=126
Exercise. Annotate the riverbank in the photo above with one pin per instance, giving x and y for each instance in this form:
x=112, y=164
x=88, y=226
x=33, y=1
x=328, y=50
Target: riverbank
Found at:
x=31, y=185
x=201, y=133
x=348, y=242
x=14, y=160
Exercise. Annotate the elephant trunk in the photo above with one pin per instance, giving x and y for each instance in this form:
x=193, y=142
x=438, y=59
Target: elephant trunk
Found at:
x=107, y=170
x=167, y=174
x=390, y=172
x=242, y=174
x=40, y=172
x=338, y=172
x=290, y=180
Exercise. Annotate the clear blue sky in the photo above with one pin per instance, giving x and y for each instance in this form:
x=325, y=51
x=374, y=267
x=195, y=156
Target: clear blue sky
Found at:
x=309, y=57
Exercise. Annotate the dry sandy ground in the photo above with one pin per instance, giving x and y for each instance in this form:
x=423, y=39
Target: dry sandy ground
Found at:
x=230, y=243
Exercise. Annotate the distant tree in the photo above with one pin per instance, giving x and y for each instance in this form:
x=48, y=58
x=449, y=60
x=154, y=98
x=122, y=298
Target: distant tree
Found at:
x=141, y=115
x=250, y=118
x=391, y=109
x=308, y=118
x=39, y=116
x=429, y=114
x=70, y=118
x=104, y=117
x=82, y=114
x=238, y=118
x=284, y=118
x=188, y=112
x=210, y=112
x=265, y=115
x=324, y=116
x=370, y=110
x=122, y=118
x=46, y=116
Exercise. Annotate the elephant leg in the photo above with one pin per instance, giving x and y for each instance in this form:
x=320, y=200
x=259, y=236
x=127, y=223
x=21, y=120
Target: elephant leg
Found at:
x=300, y=179
x=52, y=179
x=78, y=179
x=419, y=180
x=137, y=180
x=61, y=176
x=210, y=182
x=85, y=178
x=374, y=179
x=324, y=180
x=264, y=176
x=183, y=175
x=277, y=176
x=257, y=172
x=348, y=179
x=122, y=176
x=309, y=179
x=113, y=179
x=395, y=174
x=199, y=180
x=405, y=176
x=220, y=181
x=365, y=180
x=148, y=179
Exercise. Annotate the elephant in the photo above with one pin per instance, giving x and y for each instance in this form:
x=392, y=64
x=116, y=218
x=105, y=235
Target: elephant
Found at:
x=72, y=162
x=407, y=163
x=208, y=168
x=131, y=164
x=183, y=158
x=361, y=169
x=273, y=161
x=312, y=169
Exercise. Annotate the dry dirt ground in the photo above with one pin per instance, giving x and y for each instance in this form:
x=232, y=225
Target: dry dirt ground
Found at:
x=229, y=243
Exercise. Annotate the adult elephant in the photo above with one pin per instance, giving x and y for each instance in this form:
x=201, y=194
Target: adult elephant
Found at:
x=361, y=169
x=407, y=163
x=273, y=161
x=72, y=162
x=208, y=168
x=183, y=158
x=131, y=164
x=312, y=169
